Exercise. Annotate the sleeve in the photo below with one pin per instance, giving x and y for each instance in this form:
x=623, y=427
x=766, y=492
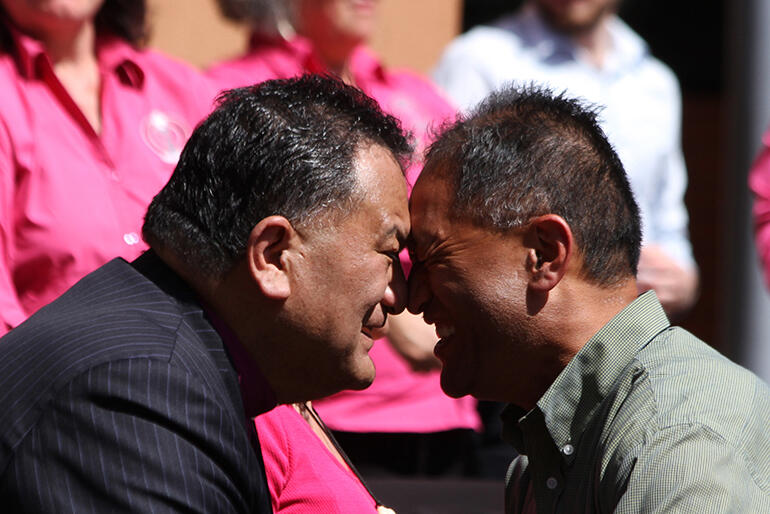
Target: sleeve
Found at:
x=669, y=213
x=11, y=311
x=759, y=183
x=460, y=76
x=134, y=435
x=689, y=468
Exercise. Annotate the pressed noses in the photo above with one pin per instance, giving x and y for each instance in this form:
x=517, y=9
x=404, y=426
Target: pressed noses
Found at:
x=419, y=292
x=394, y=299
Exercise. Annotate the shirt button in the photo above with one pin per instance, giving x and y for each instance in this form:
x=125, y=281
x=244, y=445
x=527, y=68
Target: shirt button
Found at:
x=114, y=176
x=551, y=483
x=568, y=449
x=131, y=238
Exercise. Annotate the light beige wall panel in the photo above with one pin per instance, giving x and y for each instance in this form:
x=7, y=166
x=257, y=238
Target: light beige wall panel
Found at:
x=411, y=33
x=194, y=31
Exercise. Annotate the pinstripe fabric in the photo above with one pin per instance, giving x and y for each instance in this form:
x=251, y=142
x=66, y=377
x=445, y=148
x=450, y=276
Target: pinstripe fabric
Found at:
x=645, y=418
x=119, y=397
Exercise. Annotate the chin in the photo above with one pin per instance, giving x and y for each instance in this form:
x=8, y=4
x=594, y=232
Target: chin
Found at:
x=452, y=389
x=362, y=377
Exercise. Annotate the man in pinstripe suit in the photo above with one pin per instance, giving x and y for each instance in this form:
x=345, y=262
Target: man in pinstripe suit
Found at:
x=526, y=238
x=273, y=261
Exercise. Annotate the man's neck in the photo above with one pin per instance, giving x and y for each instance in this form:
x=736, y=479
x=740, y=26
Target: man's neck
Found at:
x=595, y=43
x=337, y=62
x=579, y=312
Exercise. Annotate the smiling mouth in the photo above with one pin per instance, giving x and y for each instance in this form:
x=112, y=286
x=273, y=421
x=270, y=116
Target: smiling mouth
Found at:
x=444, y=333
x=369, y=343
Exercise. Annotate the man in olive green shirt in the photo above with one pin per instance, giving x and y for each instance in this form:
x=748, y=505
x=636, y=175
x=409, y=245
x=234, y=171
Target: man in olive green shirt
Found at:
x=525, y=242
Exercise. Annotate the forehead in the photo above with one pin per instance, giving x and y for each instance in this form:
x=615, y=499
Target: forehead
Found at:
x=429, y=208
x=382, y=188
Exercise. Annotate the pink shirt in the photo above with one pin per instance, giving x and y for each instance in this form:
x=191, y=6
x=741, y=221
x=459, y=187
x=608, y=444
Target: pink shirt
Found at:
x=759, y=183
x=73, y=199
x=400, y=400
x=302, y=474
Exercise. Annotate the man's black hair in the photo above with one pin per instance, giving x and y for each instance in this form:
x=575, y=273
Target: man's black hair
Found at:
x=524, y=152
x=283, y=147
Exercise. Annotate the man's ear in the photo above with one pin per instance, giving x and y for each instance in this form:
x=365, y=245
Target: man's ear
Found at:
x=550, y=242
x=269, y=242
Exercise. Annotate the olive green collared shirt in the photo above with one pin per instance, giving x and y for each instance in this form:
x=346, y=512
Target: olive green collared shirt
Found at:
x=645, y=418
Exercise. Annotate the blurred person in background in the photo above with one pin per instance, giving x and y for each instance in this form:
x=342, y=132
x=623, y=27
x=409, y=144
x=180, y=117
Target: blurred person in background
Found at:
x=581, y=46
x=403, y=424
x=91, y=126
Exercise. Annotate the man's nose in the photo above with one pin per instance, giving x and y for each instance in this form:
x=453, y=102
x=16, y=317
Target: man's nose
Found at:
x=419, y=292
x=394, y=300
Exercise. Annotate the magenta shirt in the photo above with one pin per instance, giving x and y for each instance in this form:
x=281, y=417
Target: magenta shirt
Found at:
x=399, y=400
x=73, y=199
x=302, y=474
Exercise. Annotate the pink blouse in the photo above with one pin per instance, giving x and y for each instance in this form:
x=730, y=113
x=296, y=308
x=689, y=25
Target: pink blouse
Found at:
x=302, y=474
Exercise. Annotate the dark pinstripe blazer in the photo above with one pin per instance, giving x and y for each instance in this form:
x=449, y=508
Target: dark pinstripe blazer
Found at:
x=119, y=396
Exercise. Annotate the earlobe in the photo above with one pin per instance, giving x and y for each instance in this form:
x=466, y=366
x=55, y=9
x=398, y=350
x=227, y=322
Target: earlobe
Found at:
x=269, y=243
x=551, y=242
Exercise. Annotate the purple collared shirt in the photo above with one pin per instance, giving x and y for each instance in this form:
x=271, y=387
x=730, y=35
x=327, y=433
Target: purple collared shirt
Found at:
x=257, y=394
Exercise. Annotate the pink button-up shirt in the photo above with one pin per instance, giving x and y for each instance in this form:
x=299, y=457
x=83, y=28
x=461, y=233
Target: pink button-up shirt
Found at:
x=399, y=400
x=72, y=199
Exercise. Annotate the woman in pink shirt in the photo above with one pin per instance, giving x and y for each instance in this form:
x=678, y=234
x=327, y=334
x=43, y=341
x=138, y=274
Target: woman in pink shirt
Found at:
x=403, y=423
x=306, y=471
x=91, y=127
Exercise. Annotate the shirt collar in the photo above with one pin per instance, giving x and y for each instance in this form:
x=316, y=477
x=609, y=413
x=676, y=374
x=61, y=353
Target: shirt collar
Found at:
x=568, y=405
x=117, y=55
x=258, y=396
x=299, y=49
x=366, y=67
x=363, y=63
x=113, y=54
x=28, y=51
x=628, y=49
